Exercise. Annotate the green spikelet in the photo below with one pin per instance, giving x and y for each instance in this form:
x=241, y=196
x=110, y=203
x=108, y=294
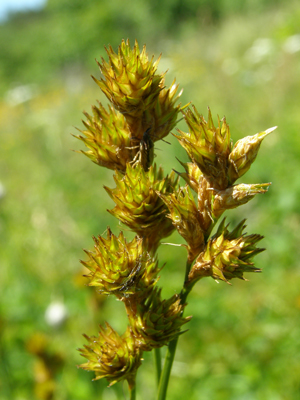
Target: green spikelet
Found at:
x=119, y=267
x=244, y=154
x=138, y=205
x=207, y=145
x=112, y=356
x=130, y=80
x=156, y=322
x=107, y=136
x=227, y=255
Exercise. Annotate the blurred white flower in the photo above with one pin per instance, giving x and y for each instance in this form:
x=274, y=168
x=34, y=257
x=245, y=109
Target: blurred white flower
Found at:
x=260, y=49
x=56, y=313
x=292, y=44
x=2, y=191
x=20, y=94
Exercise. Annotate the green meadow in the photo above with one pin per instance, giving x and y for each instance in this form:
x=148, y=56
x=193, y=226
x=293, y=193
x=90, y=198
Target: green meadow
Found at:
x=243, y=341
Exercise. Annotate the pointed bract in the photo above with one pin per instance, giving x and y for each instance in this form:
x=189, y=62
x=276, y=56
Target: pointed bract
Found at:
x=205, y=201
x=191, y=175
x=235, y=196
x=244, y=153
x=163, y=115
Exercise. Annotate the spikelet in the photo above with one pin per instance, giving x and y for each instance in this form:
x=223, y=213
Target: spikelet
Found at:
x=107, y=136
x=244, y=153
x=235, y=196
x=112, y=356
x=119, y=267
x=207, y=145
x=227, y=255
x=138, y=205
x=130, y=81
x=156, y=322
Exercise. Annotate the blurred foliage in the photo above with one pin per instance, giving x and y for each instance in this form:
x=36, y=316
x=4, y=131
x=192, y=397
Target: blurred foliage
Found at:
x=240, y=58
x=35, y=46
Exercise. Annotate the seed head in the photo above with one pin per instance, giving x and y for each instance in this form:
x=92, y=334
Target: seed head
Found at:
x=107, y=137
x=227, y=255
x=130, y=80
x=156, y=322
x=112, y=356
x=207, y=146
x=119, y=267
x=138, y=205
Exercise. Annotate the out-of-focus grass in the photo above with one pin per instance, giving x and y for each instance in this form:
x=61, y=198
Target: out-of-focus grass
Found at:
x=243, y=341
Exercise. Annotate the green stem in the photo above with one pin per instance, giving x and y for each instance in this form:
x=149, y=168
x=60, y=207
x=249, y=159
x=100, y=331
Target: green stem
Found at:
x=165, y=376
x=187, y=271
x=164, y=381
x=132, y=391
x=157, y=361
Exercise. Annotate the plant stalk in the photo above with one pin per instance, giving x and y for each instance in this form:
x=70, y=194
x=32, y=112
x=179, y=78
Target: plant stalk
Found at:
x=170, y=354
x=164, y=381
x=157, y=361
x=132, y=391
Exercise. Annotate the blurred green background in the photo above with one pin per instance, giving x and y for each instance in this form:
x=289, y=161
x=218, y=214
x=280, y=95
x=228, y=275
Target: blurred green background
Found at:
x=242, y=59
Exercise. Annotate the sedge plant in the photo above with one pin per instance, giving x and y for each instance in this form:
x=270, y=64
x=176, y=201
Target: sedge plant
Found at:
x=152, y=204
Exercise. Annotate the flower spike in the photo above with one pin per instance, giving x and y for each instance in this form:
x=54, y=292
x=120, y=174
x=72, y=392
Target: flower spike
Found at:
x=119, y=267
x=112, y=356
x=142, y=111
x=130, y=80
x=207, y=145
x=107, y=136
x=227, y=255
x=156, y=322
x=138, y=205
